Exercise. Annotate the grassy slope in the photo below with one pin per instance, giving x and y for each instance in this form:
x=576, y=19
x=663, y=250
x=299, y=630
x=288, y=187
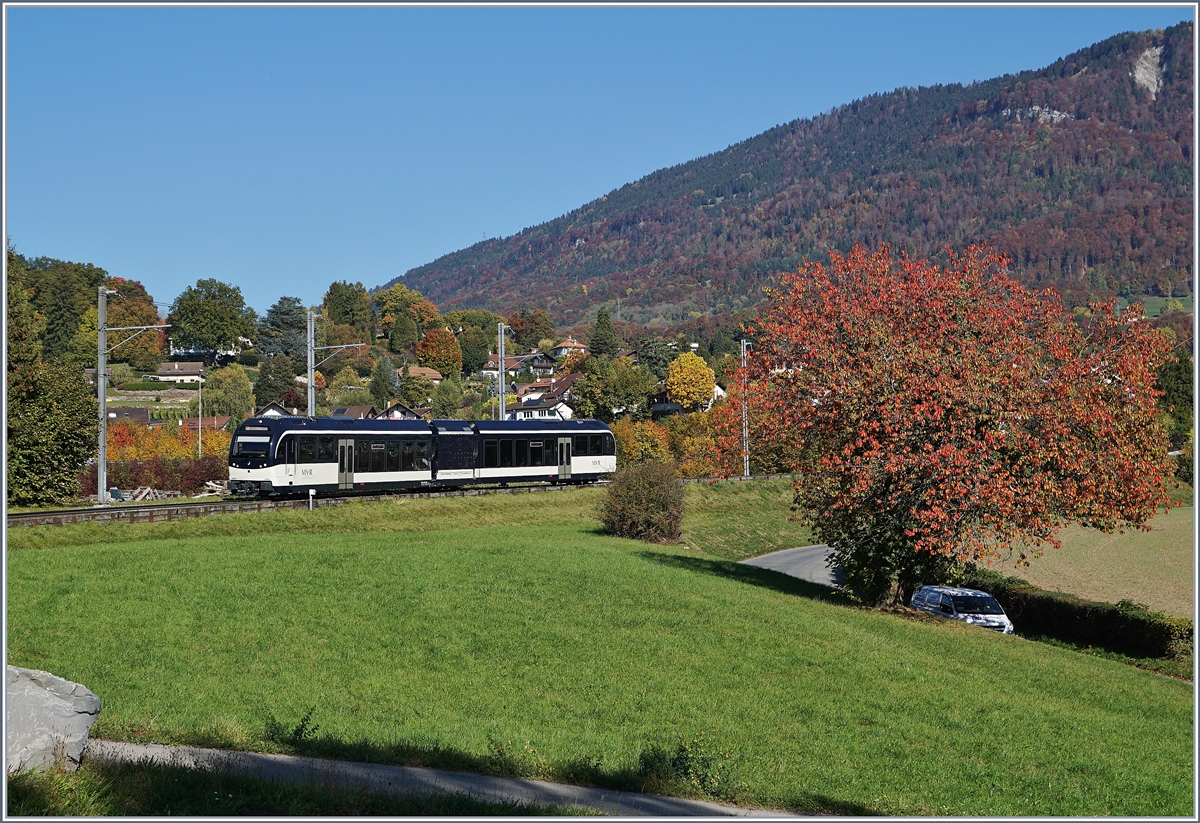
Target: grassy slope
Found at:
x=734, y=521
x=434, y=631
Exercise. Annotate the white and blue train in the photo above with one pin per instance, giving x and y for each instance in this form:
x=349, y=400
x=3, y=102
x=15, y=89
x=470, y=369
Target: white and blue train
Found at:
x=284, y=456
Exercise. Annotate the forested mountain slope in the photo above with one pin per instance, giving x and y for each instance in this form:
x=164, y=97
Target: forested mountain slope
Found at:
x=1081, y=172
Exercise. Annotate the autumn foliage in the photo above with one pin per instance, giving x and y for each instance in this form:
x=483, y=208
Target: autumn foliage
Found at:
x=439, y=350
x=942, y=414
x=134, y=441
x=689, y=381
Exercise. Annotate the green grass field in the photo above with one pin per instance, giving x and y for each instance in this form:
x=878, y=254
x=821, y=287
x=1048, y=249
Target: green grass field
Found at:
x=1153, y=304
x=506, y=634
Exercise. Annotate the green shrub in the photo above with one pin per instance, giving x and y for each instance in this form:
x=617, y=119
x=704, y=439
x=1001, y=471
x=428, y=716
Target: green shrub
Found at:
x=1185, y=470
x=1125, y=628
x=249, y=357
x=695, y=766
x=645, y=502
x=145, y=385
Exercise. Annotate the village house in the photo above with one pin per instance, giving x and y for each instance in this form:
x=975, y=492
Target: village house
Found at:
x=357, y=412
x=180, y=371
x=422, y=371
x=276, y=410
x=133, y=414
x=545, y=399
x=399, y=411
x=539, y=363
x=568, y=347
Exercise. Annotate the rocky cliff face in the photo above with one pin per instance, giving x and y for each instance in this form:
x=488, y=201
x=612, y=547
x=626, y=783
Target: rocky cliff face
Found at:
x=1147, y=71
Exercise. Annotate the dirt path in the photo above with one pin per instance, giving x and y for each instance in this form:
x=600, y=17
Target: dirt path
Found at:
x=411, y=780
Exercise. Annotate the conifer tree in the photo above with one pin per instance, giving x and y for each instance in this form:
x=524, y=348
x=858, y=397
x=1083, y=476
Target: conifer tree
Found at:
x=604, y=339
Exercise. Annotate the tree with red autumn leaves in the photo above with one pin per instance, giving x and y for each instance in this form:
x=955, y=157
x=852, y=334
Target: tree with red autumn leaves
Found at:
x=944, y=414
x=439, y=350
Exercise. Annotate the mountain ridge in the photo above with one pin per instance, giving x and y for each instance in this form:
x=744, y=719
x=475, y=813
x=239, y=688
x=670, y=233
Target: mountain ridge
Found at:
x=1080, y=171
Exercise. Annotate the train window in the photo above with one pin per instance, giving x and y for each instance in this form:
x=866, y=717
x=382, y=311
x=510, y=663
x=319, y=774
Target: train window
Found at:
x=581, y=444
x=522, y=455
x=378, y=455
x=364, y=456
x=490, y=459
x=549, y=450
x=423, y=455
x=251, y=447
x=596, y=443
x=325, y=450
x=535, y=452
x=393, y=455
x=308, y=449
x=406, y=458
x=506, y=454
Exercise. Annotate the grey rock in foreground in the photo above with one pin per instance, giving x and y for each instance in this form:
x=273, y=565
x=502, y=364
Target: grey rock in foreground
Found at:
x=47, y=717
x=415, y=781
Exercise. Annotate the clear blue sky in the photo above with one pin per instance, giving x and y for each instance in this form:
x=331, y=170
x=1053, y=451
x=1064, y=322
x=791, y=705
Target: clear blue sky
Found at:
x=280, y=149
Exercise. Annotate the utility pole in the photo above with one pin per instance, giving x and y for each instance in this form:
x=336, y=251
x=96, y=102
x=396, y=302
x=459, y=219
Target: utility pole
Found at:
x=313, y=348
x=200, y=411
x=102, y=350
x=101, y=389
x=312, y=355
x=745, y=416
x=500, y=327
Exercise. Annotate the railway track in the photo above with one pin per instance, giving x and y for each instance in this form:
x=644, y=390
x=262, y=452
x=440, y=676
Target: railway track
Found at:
x=163, y=512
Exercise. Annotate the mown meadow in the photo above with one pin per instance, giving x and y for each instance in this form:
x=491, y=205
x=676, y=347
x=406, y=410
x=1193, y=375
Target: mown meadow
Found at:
x=507, y=634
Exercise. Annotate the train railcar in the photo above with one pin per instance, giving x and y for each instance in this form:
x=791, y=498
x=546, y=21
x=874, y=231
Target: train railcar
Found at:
x=284, y=456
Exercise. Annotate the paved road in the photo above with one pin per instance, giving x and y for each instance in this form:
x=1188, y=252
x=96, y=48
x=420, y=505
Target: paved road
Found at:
x=807, y=563
x=410, y=780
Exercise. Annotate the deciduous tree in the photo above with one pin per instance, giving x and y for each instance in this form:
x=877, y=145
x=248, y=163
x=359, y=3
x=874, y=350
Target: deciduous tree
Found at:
x=439, y=350
x=227, y=391
x=211, y=316
x=690, y=381
x=942, y=414
x=393, y=301
x=346, y=389
x=1175, y=380
x=475, y=345
x=131, y=306
x=53, y=427
x=415, y=391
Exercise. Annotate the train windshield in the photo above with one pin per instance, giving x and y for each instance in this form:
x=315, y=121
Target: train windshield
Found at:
x=251, y=446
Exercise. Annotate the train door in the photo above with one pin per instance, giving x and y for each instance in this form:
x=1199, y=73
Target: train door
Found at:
x=564, y=458
x=346, y=463
x=289, y=458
